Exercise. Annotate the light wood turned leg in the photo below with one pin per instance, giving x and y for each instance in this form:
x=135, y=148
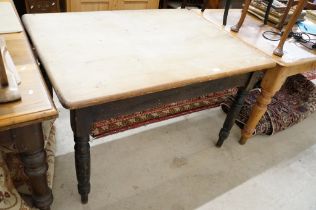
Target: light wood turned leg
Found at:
x=279, y=50
x=236, y=27
x=271, y=83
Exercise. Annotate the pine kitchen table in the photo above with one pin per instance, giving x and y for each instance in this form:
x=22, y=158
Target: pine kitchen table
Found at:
x=296, y=59
x=20, y=121
x=111, y=63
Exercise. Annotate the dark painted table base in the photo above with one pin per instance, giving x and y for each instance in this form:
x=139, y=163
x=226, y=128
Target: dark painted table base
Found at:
x=29, y=141
x=82, y=119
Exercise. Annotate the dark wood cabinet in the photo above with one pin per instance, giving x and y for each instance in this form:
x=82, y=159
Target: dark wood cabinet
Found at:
x=42, y=6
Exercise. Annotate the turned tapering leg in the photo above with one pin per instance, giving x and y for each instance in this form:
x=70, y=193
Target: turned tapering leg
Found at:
x=236, y=27
x=236, y=107
x=271, y=83
x=285, y=14
x=279, y=50
x=80, y=127
x=231, y=116
x=30, y=143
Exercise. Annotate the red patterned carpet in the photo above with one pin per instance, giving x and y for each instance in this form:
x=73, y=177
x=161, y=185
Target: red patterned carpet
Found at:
x=122, y=123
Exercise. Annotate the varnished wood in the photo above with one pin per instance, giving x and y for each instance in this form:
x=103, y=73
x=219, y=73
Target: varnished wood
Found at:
x=35, y=104
x=158, y=54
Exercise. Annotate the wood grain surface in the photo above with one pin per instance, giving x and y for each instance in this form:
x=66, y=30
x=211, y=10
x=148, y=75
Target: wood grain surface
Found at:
x=36, y=104
x=251, y=32
x=97, y=57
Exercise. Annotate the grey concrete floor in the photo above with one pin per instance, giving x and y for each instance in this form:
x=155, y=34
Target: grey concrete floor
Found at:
x=174, y=165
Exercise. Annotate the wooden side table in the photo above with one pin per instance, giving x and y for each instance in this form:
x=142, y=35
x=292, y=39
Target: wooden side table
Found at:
x=296, y=59
x=20, y=121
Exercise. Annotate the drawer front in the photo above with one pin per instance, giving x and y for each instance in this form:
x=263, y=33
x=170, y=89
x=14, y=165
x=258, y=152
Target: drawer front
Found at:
x=89, y=5
x=97, y=5
x=137, y=4
x=42, y=6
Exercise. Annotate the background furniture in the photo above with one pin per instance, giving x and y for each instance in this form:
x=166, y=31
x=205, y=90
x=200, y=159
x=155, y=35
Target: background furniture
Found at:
x=214, y=4
x=162, y=64
x=279, y=49
x=42, y=6
x=296, y=59
x=20, y=121
x=96, y=5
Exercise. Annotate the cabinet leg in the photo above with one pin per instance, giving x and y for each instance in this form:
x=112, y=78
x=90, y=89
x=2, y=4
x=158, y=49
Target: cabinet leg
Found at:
x=30, y=143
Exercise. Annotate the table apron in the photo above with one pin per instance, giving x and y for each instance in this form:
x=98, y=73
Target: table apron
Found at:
x=86, y=116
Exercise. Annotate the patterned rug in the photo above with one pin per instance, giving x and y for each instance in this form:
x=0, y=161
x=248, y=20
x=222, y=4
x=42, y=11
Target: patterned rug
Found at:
x=122, y=123
x=295, y=101
x=125, y=122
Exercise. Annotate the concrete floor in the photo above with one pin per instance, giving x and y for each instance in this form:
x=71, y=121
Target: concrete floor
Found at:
x=174, y=165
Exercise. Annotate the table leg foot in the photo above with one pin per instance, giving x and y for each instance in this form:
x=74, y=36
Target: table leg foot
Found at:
x=279, y=50
x=84, y=198
x=243, y=140
x=236, y=27
x=223, y=134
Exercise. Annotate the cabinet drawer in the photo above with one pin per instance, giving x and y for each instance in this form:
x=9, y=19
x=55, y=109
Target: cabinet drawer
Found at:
x=89, y=5
x=97, y=5
x=137, y=4
x=42, y=6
